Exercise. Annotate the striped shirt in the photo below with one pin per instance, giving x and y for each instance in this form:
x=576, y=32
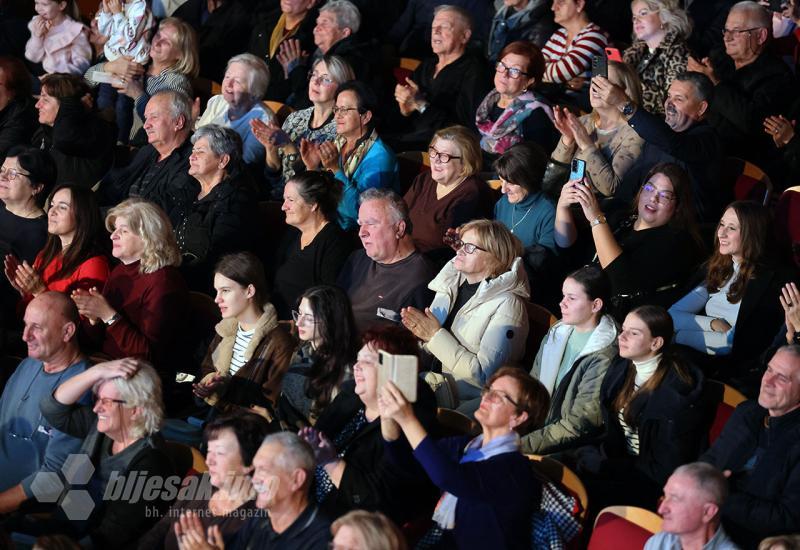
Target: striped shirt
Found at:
x=631, y=434
x=567, y=61
x=243, y=338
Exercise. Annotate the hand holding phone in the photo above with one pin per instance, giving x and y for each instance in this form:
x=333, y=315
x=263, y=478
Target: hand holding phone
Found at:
x=401, y=370
x=600, y=66
x=577, y=170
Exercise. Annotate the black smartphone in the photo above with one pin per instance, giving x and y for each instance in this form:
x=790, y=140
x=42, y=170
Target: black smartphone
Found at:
x=776, y=5
x=600, y=66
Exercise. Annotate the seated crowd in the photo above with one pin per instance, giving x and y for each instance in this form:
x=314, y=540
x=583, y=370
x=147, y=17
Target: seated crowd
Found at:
x=268, y=284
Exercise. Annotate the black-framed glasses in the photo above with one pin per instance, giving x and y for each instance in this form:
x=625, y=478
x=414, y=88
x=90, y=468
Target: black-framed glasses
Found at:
x=512, y=72
x=107, y=401
x=732, y=32
x=343, y=110
x=469, y=248
x=444, y=158
x=302, y=318
x=323, y=79
x=497, y=396
x=10, y=174
x=665, y=196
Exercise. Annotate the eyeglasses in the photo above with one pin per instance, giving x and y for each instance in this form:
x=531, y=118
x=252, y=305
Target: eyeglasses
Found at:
x=10, y=174
x=496, y=397
x=469, y=248
x=303, y=318
x=436, y=156
x=343, y=110
x=641, y=14
x=107, y=401
x=323, y=79
x=665, y=196
x=730, y=32
x=512, y=72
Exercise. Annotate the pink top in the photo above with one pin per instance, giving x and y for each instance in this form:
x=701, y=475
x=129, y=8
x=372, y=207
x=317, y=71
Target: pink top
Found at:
x=64, y=49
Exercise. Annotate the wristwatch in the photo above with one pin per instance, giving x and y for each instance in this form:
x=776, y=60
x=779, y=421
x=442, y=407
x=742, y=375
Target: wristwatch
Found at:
x=598, y=220
x=422, y=108
x=113, y=319
x=628, y=108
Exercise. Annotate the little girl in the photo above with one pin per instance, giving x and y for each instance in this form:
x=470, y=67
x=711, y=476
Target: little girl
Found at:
x=127, y=25
x=59, y=41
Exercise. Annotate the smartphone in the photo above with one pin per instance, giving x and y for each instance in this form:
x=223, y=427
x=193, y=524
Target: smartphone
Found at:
x=777, y=5
x=613, y=55
x=577, y=170
x=600, y=66
x=401, y=370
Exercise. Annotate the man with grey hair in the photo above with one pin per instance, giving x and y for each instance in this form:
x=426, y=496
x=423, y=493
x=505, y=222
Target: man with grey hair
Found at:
x=388, y=274
x=750, y=83
x=693, y=498
x=759, y=451
x=159, y=170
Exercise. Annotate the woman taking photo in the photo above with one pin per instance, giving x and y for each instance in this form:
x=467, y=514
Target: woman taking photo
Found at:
x=513, y=111
x=315, y=248
x=489, y=491
x=451, y=193
x=477, y=321
x=323, y=362
x=632, y=252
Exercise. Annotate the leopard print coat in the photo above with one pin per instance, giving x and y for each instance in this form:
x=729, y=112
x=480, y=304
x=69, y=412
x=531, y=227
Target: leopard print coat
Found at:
x=657, y=69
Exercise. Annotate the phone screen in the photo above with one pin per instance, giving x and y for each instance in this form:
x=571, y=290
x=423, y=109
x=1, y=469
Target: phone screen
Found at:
x=577, y=169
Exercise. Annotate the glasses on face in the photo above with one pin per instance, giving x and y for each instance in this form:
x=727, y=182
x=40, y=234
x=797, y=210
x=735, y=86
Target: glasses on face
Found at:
x=107, y=401
x=734, y=32
x=469, y=248
x=436, y=156
x=343, y=110
x=512, y=72
x=641, y=14
x=302, y=318
x=323, y=79
x=661, y=196
x=497, y=397
x=10, y=174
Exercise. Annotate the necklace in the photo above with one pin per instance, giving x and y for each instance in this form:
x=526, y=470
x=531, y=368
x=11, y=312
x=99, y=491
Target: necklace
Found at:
x=525, y=215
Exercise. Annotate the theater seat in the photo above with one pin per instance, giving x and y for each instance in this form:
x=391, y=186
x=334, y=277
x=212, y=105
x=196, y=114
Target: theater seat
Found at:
x=281, y=110
x=722, y=399
x=539, y=322
x=623, y=528
x=787, y=223
x=746, y=181
x=410, y=164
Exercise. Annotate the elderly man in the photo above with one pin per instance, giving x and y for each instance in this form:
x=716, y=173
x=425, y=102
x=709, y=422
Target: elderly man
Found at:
x=283, y=472
x=750, y=83
x=693, y=498
x=760, y=451
x=388, y=274
x=28, y=444
x=445, y=89
x=159, y=171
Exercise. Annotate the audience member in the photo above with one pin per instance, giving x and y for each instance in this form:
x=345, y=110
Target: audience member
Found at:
x=18, y=119
x=315, y=248
x=692, y=508
x=708, y=20
x=659, y=53
x=450, y=194
x=28, y=444
x=790, y=302
x=477, y=321
x=59, y=41
x=352, y=470
x=523, y=20
x=782, y=542
x=572, y=362
x=514, y=111
x=389, y=273
x=760, y=449
x=360, y=530
x=489, y=490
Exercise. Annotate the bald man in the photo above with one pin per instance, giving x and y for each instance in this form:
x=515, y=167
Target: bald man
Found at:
x=28, y=444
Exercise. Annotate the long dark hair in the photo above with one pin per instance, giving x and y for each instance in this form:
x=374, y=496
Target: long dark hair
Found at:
x=659, y=323
x=334, y=317
x=88, y=227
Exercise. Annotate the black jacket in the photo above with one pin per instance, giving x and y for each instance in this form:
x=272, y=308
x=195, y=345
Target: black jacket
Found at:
x=80, y=142
x=765, y=498
x=18, y=121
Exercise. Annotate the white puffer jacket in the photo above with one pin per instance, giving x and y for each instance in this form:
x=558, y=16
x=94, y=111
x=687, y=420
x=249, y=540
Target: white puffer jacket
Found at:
x=488, y=332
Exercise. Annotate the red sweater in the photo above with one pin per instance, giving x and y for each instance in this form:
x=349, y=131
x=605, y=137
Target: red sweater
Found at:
x=91, y=273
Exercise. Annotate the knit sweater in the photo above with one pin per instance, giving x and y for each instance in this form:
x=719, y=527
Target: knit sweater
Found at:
x=564, y=61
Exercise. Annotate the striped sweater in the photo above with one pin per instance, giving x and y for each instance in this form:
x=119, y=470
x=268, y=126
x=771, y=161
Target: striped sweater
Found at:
x=567, y=61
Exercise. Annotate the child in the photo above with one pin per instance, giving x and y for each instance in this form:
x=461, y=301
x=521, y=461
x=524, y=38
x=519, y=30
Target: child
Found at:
x=127, y=25
x=59, y=41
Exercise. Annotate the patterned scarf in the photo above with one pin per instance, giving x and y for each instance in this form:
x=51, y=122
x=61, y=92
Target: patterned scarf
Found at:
x=499, y=135
x=354, y=158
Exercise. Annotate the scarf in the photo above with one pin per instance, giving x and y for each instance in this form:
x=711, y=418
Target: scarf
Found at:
x=499, y=135
x=445, y=513
x=279, y=34
x=358, y=153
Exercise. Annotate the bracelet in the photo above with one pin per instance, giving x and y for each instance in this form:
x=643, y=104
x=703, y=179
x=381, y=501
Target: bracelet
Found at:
x=598, y=220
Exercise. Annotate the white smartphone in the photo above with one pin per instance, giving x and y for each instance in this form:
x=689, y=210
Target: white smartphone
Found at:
x=401, y=370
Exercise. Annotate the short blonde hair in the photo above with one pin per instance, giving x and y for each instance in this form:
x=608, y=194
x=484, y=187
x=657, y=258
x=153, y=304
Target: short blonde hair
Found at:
x=189, y=62
x=148, y=222
x=143, y=390
x=672, y=17
x=377, y=532
x=498, y=241
x=468, y=146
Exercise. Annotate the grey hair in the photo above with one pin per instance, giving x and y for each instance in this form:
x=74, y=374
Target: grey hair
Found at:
x=395, y=204
x=295, y=453
x=709, y=480
x=701, y=83
x=792, y=349
x=672, y=17
x=143, y=390
x=461, y=13
x=180, y=105
x=346, y=13
x=758, y=14
x=339, y=70
x=258, y=71
x=222, y=141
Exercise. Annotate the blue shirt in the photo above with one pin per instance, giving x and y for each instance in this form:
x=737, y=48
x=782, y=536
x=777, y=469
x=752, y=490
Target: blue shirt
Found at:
x=532, y=220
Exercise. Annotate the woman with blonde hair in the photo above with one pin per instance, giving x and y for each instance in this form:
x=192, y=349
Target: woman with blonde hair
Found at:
x=477, y=321
x=362, y=530
x=144, y=301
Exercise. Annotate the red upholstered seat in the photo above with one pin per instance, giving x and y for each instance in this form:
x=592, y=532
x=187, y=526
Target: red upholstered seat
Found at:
x=623, y=528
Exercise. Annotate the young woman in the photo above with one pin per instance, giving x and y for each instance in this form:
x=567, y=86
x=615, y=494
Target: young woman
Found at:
x=572, y=362
x=328, y=345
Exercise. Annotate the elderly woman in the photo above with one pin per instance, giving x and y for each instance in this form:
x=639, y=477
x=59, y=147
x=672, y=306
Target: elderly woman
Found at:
x=603, y=138
x=513, y=111
x=315, y=248
x=81, y=143
x=17, y=112
x=358, y=157
x=477, y=321
x=362, y=530
x=246, y=80
x=488, y=489
x=351, y=468
x=659, y=52
x=231, y=442
x=451, y=193
x=314, y=124
x=218, y=220
x=120, y=435
x=142, y=306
